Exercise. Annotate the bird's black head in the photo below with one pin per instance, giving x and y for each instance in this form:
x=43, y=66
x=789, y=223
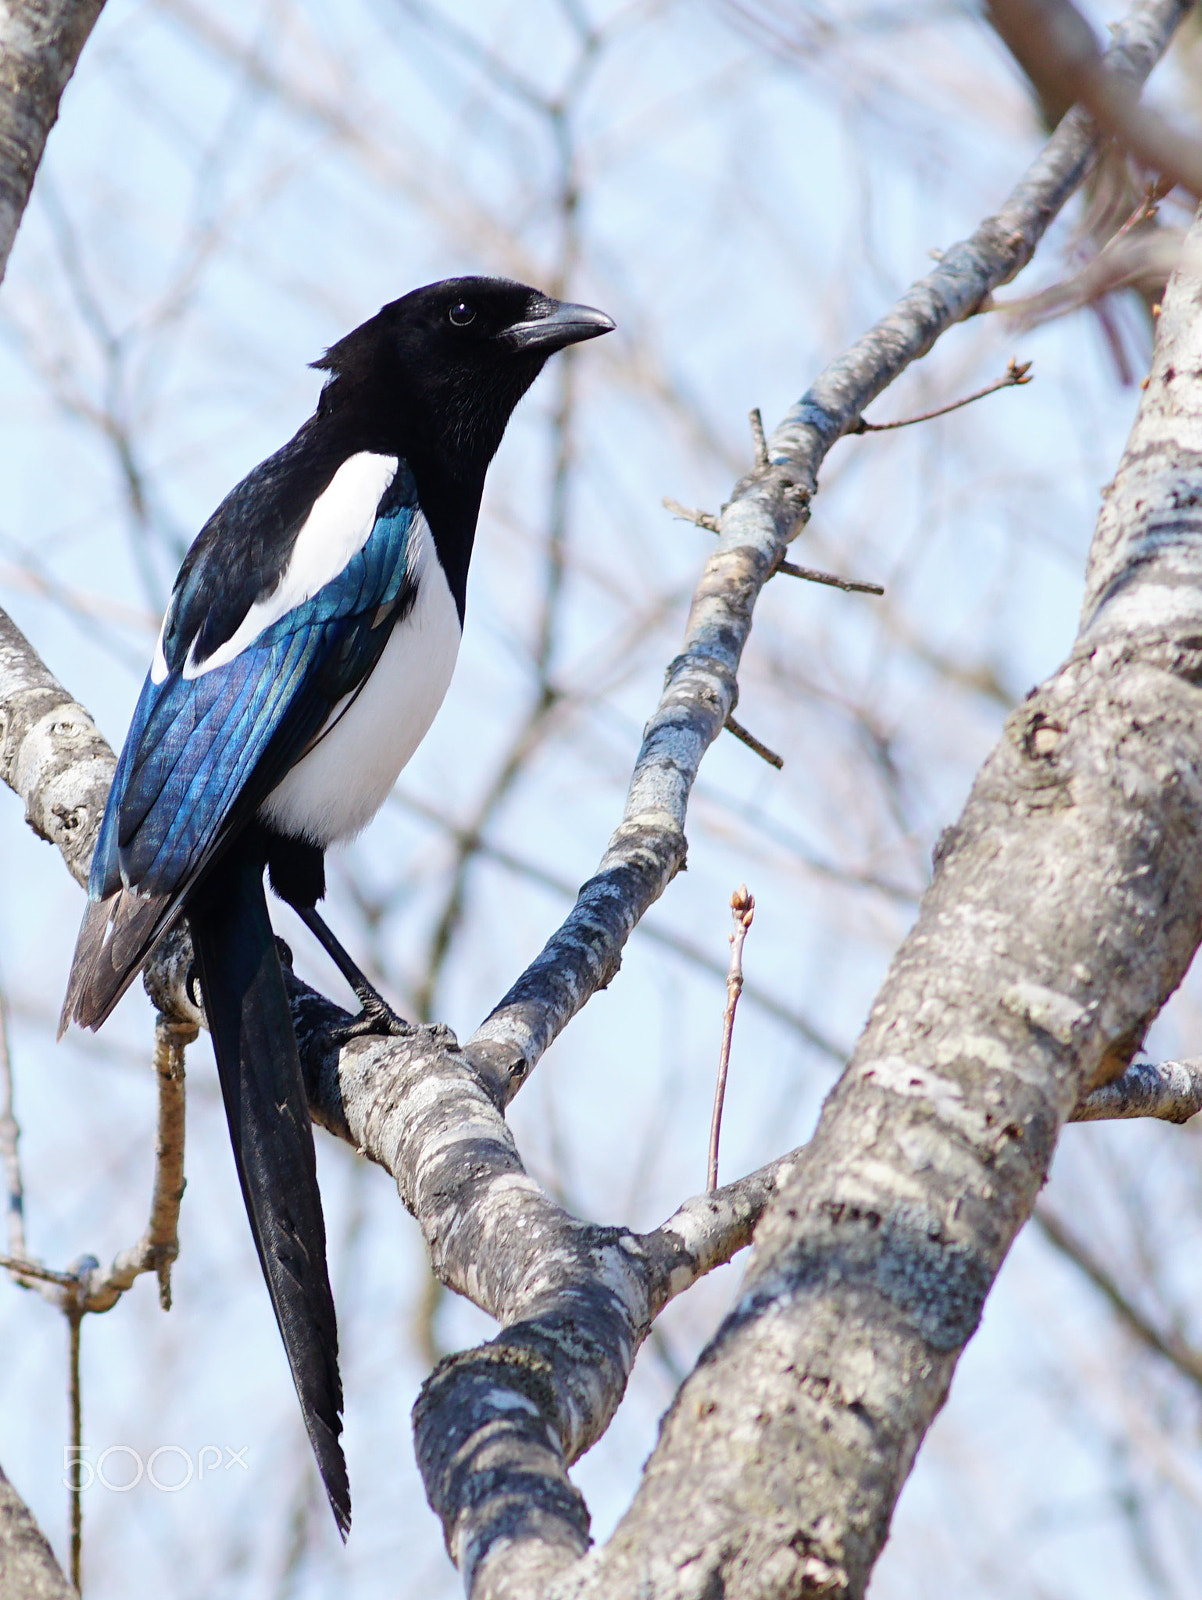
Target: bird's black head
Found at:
x=436, y=375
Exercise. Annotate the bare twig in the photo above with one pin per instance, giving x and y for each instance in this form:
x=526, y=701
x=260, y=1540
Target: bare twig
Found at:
x=1184, y=1357
x=86, y=1288
x=703, y=519
x=713, y=524
x=22, y=1267
x=10, y=1136
x=742, y=906
x=159, y=1245
x=1017, y=372
x=74, y=1316
x=813, y=575
x=752, y=743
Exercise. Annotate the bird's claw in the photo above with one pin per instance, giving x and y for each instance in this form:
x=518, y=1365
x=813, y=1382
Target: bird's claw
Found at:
x=377, y=1019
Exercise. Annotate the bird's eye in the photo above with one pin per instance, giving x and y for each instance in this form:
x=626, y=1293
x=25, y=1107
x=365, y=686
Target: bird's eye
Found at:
x=461, y=315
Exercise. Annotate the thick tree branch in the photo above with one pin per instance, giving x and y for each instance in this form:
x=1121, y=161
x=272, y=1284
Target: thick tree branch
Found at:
x=51, y=754
x=496, y=1428
x=1066, y=907
x=28, y=1570
x=40, y=42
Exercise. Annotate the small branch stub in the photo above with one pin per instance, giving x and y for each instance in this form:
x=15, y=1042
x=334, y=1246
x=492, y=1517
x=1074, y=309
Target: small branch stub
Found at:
x=752, y=743
x=813, y=575
x=713, y=524
x=759, y=440
x=1017, y=372
x=742, y=905
x=703, y=519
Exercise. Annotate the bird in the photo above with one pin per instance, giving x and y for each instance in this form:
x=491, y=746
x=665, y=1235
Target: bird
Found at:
x=309, y=641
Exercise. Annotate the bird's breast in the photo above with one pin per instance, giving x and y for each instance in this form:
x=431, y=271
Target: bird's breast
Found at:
x=335, y=790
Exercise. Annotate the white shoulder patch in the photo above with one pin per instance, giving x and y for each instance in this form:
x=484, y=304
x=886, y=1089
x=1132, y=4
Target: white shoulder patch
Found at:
x=338, y=526
x=339, y=784
x=158, y=665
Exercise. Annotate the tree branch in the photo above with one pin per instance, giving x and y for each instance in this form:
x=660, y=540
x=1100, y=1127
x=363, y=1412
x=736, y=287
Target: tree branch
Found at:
x=1169, y=1090
x=158, y=1247
x=40, y=42
x=28, y=1570
x=1066, y=907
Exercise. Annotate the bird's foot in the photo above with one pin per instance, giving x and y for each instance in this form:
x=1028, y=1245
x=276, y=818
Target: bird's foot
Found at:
x=377, y=1018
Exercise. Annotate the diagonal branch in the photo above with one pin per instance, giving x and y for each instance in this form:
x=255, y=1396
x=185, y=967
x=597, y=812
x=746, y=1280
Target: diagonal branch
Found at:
x=28, y=1570
x=1066, y=907
x=766, y=511
x=40, y=42
x=1181, y=1355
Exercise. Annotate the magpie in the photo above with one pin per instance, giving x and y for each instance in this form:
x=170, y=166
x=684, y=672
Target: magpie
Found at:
x=309, y=641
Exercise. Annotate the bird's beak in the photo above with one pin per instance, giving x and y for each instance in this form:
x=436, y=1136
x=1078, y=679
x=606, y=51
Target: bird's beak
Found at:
x=561, y=324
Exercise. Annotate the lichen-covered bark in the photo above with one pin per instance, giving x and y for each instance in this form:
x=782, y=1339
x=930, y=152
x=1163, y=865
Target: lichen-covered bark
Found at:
x=1065, y=908
x=51, y=753
x=496, y=1428
x=40, y=42
x=28, y=1570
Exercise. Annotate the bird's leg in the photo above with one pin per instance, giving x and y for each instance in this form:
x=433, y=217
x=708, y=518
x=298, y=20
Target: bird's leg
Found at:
x=377, y=1016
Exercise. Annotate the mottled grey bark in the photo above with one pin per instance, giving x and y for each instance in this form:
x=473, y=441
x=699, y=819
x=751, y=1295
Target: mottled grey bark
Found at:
x=1169, y=1090
x=51, y=753
x=1066, y=907
x=40, y=42
x=780, y=1462
x=28, y=1570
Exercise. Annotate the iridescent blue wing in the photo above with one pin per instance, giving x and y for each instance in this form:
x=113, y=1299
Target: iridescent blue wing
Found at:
x=203, y=752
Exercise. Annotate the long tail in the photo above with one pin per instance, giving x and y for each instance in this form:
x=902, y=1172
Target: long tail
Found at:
x=247, y=1009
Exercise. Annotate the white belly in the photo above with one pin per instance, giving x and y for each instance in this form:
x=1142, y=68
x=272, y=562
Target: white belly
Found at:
x=333, y=792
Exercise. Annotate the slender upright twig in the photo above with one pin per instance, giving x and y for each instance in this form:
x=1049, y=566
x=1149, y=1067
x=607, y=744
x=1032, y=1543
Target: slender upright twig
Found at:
x=758, y=439
x=74, y=1314
x=159, y=1245
x=85, y=1288
x=742, y=906
x=10, y=1135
